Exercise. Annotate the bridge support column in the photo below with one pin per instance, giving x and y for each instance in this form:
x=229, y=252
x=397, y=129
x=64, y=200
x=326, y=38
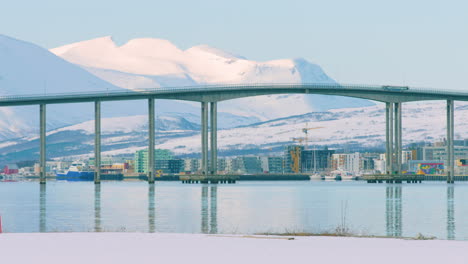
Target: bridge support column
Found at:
x=151, y=131
x=42, y=129
x=214, y=137
x=450, y=149
x=398, y=138
x=389, y=137
x=204, y=137
x=97, y=142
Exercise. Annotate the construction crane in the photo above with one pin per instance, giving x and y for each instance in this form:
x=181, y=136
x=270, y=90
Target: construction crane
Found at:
x=296, y=152
x=306, y=132
x=300, y=139
x=296, y=158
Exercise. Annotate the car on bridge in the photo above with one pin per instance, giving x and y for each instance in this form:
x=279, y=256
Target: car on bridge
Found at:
x=395, y=88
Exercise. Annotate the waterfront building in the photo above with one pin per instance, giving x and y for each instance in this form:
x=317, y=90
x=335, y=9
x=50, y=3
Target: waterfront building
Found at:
x=440, y=153
x=108, y=160
x=115, y=168
x=141, y=160
x=26, y=171
x=11, y=169
x=50, y=167
x=350, y=162
x=426, y=167
x=272, y=164
x=380, y=166
x=407, y=155
x=192, y=165
x=292, y=158
x=222, y=166
x=241, y=165
x=316, y=160
x=174, y=166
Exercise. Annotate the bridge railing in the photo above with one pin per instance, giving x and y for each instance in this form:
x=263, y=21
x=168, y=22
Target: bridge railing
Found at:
x=211, y=87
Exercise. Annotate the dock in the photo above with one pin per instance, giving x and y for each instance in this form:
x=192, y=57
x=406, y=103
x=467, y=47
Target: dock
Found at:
x=209, y=178
x=388, y=178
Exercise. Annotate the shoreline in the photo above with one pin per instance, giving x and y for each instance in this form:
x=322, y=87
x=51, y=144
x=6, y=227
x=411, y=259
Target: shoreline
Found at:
x=203, y=248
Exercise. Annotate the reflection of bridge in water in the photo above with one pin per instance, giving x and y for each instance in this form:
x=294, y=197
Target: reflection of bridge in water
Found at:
x=209, y=209
x=209, y=96
x=450, y=213
x=209, y=212
x=394, y=211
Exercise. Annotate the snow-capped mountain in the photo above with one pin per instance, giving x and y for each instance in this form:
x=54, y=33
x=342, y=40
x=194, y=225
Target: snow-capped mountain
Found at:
x=144, y=63
x=27, y=69
x=363, y=126
x=99, y=65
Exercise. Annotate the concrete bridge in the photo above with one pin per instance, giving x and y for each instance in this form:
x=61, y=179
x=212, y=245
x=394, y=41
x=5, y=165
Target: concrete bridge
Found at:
x=209, y=95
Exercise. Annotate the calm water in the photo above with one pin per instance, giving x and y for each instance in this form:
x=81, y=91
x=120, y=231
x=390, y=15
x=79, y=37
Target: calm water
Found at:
x=432, y=209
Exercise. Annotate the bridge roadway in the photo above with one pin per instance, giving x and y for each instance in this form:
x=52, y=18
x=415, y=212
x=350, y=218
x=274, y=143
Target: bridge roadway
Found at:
x=209, y=95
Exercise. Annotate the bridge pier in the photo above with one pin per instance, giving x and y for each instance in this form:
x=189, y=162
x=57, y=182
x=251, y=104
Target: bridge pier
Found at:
x=450, y=148
x=204, y=137
x=398, y=138
x=214, y=137
x=393, y=136
x=389, y=137
x=42, y=129
x=151, y=136
x=97, y=142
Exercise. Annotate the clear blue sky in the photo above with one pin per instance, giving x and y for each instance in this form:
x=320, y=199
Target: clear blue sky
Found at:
x=413, y=42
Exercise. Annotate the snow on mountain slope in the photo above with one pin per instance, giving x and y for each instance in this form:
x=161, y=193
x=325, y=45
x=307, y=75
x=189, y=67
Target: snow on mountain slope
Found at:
x=146, y=62
x=26, y=68
x=363, y=126
x=131, y=124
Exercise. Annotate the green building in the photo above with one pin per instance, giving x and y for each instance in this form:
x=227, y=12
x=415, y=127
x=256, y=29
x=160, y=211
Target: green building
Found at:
x=160, y=155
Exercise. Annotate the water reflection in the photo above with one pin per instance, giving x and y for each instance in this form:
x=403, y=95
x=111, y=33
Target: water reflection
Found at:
x=97, y=208
x=450, y=212
x=177, y=211
x=204, y=210
x=151, y=210
x=209, y=220
x=214, y=210
x=42, y=208
x=394, y=211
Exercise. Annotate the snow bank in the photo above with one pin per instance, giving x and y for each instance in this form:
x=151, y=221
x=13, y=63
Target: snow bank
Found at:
x=189, y=248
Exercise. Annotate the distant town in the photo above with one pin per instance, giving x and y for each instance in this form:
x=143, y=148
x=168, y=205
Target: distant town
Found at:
x=420, y=159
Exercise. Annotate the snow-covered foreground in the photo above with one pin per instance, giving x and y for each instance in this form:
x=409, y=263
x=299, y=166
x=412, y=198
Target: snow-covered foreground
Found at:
x=197, y=248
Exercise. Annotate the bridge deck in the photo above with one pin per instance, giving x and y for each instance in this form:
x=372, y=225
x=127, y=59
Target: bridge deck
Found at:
x=215, y=93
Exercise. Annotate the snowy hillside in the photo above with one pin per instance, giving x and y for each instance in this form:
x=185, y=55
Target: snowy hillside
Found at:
x=28, y=69
x=144, y=63
x=118, y=133
x=364, y=126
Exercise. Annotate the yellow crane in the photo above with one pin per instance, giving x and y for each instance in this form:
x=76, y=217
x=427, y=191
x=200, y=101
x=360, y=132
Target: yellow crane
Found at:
x=296, y=152
x=306, y=132
x=296, y=158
